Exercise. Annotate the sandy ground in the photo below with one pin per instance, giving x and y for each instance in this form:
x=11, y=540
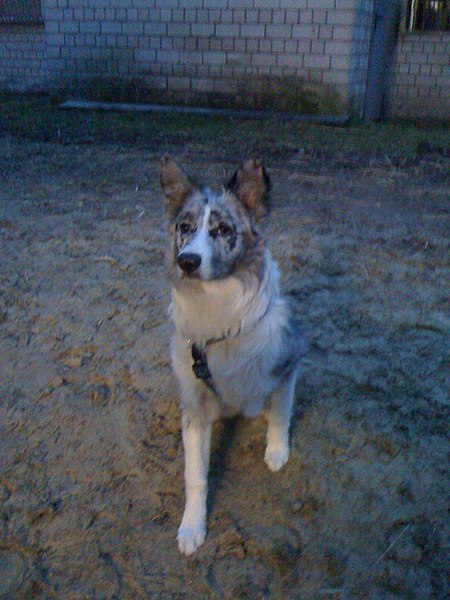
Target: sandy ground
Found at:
x=91, y=480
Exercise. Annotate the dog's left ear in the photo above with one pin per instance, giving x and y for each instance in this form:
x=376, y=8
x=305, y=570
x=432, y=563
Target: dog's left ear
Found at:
x=176, y=185
x=251, y=184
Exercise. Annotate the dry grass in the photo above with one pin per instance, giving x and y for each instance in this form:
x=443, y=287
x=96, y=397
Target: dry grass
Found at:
x=91, y=460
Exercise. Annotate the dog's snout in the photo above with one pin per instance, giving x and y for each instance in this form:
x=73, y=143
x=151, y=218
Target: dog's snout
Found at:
x=189, y=262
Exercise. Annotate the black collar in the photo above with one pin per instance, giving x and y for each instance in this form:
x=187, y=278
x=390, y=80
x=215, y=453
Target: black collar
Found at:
x=200, y=367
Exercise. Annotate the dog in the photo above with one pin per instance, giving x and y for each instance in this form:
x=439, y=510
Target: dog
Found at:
x=236, y=348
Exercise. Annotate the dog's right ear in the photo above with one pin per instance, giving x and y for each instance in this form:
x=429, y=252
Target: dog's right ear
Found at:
x=176, y=186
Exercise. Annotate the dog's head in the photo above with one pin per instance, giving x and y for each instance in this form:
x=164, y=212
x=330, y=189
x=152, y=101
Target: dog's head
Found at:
x=213, y=232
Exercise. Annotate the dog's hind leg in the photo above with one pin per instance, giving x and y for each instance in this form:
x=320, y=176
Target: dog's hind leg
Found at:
x=197, y=443
x=278, y=417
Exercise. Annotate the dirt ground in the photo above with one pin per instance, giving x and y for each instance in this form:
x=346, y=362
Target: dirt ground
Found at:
x=91, y=480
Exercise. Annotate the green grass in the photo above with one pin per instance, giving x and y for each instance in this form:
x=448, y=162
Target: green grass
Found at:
x=38, y=118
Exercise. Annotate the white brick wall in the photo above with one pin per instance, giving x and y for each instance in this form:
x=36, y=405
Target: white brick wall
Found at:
x=421, y=79
x=198, y=46
x=189, y=49
x=22, y=57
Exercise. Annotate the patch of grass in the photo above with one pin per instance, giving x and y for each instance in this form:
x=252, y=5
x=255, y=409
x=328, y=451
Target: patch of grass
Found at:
x=288, y=93
x=38, y=118
x=399, y=137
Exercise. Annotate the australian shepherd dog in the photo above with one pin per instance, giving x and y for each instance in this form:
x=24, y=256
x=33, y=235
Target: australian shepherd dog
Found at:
x=236, y=347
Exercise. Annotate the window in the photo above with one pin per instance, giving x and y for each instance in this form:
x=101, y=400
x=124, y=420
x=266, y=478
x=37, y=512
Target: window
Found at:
x=428, y=15
x=21, y=12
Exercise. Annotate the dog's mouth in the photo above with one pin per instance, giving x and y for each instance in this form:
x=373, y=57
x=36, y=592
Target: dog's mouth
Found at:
x=195, y=276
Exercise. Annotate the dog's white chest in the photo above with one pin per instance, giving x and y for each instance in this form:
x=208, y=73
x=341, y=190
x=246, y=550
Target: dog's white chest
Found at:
x=240, y=364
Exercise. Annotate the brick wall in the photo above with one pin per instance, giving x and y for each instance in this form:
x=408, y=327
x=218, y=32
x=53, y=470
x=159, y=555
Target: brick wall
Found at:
x=286, y=54
x=204, y=51
x=22, y=57
x=421, y=79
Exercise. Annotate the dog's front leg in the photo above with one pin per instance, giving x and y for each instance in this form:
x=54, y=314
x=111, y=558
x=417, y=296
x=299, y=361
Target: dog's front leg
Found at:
x=278, y=421
x=197, y=443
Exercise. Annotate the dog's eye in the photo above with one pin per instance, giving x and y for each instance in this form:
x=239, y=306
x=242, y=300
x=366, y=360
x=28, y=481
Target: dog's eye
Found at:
x=223, y=229
x=184, y=228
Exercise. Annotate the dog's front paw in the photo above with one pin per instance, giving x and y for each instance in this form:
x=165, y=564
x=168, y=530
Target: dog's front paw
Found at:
x=189, y=539
x=275, y=458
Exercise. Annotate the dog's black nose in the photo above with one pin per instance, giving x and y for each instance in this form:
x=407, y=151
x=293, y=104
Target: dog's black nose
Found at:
x=189, y=261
